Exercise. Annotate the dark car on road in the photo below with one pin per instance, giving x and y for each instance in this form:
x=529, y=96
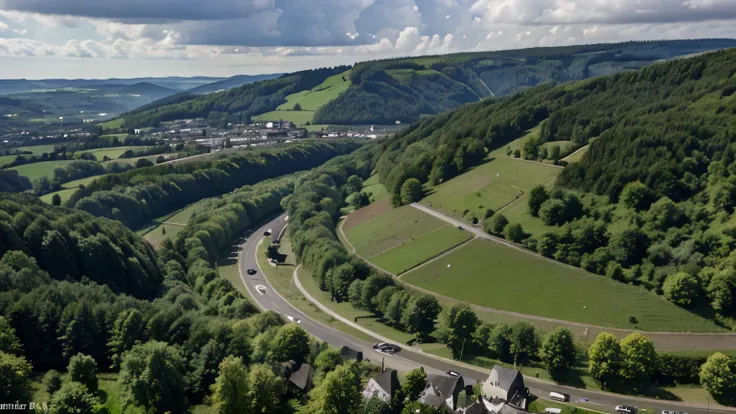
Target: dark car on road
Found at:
x=386, y=348
x=251, y=271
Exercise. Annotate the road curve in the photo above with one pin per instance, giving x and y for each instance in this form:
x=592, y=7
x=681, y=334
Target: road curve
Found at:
x=408, y=358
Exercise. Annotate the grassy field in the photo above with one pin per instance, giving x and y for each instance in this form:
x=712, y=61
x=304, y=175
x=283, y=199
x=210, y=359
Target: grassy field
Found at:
x=421, y=249
x=492, y=185
x=490, y=274
x=321, y=94
x=40, y=169
x=112, y=124
x=297, y=117
x=38, y=149
x=131, y=161
x=81, y=181
x=173, y=225
x=576, y=156
x=112, y=153
x=65, y=195
x=280, y=278
x=391, y=229
x=372, y=186
x=7, y=159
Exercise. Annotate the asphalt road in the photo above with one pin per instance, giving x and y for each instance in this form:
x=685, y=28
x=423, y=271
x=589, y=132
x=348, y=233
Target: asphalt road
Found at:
x=408, y=359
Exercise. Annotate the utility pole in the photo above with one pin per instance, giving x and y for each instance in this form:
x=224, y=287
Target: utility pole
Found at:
x=461, y=350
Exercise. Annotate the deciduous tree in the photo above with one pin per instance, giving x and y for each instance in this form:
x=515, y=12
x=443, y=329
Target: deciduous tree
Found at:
x=558, y=352
x=605, y=359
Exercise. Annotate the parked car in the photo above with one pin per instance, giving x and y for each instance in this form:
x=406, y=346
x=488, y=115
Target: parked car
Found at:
x=293, y=319
x=251, y=271
x=454, y=373
x=625, y=409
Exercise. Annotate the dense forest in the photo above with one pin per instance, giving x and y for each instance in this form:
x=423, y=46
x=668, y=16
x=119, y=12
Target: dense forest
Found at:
x=383, y=92
x=135, y=197
x=652, y=201
x=234, y=105
x=74, y=245
x=176, y=332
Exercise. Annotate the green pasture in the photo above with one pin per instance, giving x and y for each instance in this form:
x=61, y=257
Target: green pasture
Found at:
x=112, y=153
x=576, y=156
x=113, y=123
x=7, y=159
x=38, y=149
x=40, y=169
x=173, y=225
x=492, y=185
x=297, y=117
x=421, y=249
x=391, y=229
x=65, y=195
x=490, y=274
x=318, y=96
x=372, y=186
x=82, y=181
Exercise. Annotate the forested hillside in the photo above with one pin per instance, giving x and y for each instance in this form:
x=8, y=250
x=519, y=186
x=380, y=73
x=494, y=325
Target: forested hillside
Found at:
x=383, y=92
x=234, y=105
x=137, y=196
x=168, y=330
x=403, y=90
x=71, y=245
x=652, y=201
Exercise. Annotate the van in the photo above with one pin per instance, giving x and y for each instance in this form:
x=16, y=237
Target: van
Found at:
x=552, y=411
x=558, y=396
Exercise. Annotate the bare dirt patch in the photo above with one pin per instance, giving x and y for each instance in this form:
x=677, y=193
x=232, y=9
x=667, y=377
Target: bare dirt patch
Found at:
x=367, y=213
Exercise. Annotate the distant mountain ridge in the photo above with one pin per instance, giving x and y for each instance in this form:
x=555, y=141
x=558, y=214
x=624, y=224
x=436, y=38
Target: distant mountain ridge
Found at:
x=232, y=82
x=406, y=89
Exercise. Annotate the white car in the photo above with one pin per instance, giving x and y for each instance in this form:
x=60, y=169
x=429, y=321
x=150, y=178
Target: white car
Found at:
x=293, y=319
x=261, y=289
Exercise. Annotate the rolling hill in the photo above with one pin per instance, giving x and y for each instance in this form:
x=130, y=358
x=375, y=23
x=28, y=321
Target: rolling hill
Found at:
x=233, y=105
x=652, y=201
x=232, y=82
x=405, y=89
x=11, y=86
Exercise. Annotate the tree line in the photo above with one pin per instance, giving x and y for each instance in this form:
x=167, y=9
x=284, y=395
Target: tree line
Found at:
x=138, y=196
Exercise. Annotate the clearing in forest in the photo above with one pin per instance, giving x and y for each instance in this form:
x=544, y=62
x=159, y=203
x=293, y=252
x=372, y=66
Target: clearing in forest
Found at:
x=492, y=185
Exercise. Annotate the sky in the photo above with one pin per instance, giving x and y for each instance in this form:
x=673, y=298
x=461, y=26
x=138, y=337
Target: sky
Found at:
x=137, y=38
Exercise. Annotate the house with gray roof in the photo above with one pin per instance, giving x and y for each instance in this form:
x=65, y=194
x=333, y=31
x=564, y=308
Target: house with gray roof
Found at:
x=483, y=406
x=442, y=391
x=505, y=384
x=382, y=386
x=349, y=354
x=302, y=378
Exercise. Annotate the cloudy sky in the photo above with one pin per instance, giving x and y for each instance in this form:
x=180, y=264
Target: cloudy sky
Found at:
x=131, y=38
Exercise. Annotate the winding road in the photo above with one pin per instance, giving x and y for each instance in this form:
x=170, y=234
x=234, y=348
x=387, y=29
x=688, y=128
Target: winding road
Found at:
x=409, y=358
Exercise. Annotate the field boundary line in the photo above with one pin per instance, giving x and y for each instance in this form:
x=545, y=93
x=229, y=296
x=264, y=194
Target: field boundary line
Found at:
x=538, y=162
x=435, y=257
x=575, y=152
x=483, y=235
x=411, y=240
x=544, y=182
